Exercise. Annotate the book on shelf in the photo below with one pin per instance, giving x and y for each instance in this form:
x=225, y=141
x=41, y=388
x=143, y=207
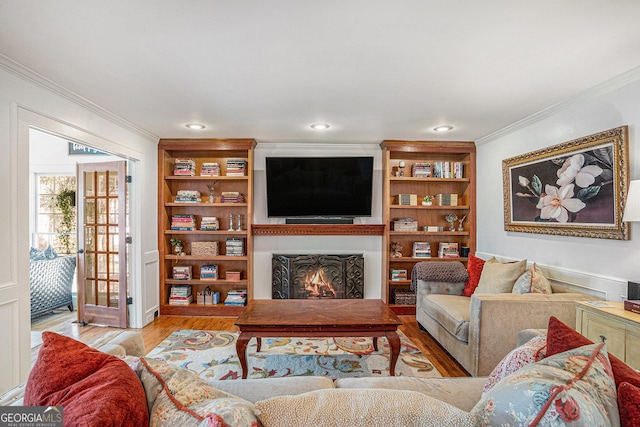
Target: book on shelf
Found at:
x=183, y=222
x=421, y=250
x=236, y=167
x=209, y=272
x=210, y=169
x=448, y=250
x=236, y=297
x=235, y=246
x=408, y=199
x=184, y=167
x=448, y=170
x=187, y=196
x=209, y=223
x=182, y=272
x=421, y=170
x=398, y=274
x=231, y=197
x=446, y=199
x=180, y=295
x=433, y=228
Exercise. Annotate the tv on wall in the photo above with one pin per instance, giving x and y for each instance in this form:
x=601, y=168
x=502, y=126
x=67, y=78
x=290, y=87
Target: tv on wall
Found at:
x=319, y=186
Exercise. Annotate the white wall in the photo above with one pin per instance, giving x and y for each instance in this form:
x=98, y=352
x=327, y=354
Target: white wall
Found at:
x=599, y=264
x=265, y=246
x=28, y=100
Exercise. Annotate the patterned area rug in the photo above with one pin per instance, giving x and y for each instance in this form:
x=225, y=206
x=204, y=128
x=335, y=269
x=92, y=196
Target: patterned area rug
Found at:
x=212, y=355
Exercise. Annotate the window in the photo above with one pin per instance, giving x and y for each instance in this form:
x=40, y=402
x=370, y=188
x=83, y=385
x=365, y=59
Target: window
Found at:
x=49, y=219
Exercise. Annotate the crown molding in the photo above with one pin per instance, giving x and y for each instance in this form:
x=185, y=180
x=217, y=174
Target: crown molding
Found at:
x=603, y=88
x=31, y=76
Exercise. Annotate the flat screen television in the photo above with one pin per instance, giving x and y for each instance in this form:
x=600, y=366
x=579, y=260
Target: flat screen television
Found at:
x=319, y=186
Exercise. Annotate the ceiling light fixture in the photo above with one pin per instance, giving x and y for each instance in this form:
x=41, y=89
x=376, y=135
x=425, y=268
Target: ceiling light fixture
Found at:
x=319, y=126
x=443, y=128
x=195, y=126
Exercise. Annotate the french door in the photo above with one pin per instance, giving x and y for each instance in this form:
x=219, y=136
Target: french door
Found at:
x=102, y=250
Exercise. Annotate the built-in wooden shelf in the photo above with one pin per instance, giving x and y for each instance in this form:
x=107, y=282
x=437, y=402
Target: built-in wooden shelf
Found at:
x=317, y=229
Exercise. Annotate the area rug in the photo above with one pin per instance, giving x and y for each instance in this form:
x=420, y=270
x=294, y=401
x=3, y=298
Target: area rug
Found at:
x=212, y=355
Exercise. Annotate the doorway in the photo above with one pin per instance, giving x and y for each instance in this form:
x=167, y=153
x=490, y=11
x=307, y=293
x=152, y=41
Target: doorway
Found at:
x=52, y=169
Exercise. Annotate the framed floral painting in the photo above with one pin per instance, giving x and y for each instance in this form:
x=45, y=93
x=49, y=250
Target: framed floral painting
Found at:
x=577, y=188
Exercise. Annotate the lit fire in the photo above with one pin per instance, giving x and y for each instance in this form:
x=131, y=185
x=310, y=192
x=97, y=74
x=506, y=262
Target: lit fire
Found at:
x=317, y=287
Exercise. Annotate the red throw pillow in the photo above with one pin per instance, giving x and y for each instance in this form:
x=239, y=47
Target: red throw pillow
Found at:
x=91, y=386
x=474, y=269
x=629, y=405
x=561, y=338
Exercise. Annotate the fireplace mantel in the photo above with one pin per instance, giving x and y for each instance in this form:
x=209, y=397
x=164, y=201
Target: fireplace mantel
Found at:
x=317, y=229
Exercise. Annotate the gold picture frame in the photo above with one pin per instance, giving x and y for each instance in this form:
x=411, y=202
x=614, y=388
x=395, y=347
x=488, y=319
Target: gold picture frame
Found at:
x=576, y=188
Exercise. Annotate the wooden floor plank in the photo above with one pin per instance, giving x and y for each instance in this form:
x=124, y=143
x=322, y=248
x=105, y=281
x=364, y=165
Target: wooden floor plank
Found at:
x=153, y=334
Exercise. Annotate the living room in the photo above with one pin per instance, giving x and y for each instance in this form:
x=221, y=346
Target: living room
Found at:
x=34, y=97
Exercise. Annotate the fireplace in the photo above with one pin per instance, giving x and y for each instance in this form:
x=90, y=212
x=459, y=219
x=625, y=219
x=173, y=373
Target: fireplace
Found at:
x=317, y=276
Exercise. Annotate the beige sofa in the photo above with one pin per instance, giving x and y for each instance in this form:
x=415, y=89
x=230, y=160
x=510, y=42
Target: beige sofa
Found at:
x=478, y=331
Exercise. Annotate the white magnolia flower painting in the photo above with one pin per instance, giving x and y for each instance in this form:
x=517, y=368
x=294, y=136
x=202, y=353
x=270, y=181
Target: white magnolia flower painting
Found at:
x=578, y=186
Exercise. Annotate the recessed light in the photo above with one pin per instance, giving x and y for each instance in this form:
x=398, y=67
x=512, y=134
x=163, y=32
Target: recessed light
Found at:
x=195, y=126
x=319, y=126
x=443, y=128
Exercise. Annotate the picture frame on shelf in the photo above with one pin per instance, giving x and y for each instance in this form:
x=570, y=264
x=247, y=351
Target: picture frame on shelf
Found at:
x=576, y=188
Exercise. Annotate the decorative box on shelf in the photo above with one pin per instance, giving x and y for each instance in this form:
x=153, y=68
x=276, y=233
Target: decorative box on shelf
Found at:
x=233, y=275
x=204, y=248
x=405, y=224
x=403, y=296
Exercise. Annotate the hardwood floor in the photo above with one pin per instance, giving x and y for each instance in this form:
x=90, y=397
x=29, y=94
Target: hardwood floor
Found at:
x=62, y=323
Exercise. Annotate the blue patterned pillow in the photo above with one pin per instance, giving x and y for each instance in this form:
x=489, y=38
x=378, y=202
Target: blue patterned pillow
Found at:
x=36, y=254
x=50, y=253
x=589, y=400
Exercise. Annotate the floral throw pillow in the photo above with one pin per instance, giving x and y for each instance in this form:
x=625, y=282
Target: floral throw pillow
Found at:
x=178, y=397
x=529, y=352
x=573, y=388
x=532, y=281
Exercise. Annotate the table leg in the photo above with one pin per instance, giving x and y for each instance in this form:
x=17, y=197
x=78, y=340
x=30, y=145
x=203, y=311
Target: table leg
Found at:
x=394, y=344
x=259, y=344
x=375, y=343
x=241, y=349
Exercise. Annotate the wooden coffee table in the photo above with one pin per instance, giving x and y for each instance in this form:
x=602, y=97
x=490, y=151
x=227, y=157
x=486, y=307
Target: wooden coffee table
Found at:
x=317, y=318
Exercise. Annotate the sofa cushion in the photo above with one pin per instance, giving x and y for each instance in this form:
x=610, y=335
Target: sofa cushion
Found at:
x=89, y=384
x=263, y=388
x=529, y=352
x=532, y=281
x=629, y=405
x=498, y=277
x=451, y=312
x=561, y=337
x=572, y=388
x=178, y=397
x=463, y=392
x=360, y=407
x=474, y=270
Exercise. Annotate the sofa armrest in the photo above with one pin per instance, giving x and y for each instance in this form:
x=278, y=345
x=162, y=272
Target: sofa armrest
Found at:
x=496, y=320
x=445, y=288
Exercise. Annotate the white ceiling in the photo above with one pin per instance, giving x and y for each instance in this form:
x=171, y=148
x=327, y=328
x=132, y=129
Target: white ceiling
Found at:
x=372, y=69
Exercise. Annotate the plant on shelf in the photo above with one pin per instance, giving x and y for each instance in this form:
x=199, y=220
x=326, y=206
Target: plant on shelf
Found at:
x=66, y=203
x=176, y=244
x=427, y=201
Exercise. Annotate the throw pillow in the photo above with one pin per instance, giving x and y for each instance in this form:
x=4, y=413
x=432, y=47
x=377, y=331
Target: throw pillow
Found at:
x=91, y=386
x=474, y=269
x=561, y=337
x=178, y=397
x=629, y=405
x=498, y=277
x=50, y=253
x=571, y=388
x=36, y=254
x=532, y=281
x=360, y=407
x=530, y=352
